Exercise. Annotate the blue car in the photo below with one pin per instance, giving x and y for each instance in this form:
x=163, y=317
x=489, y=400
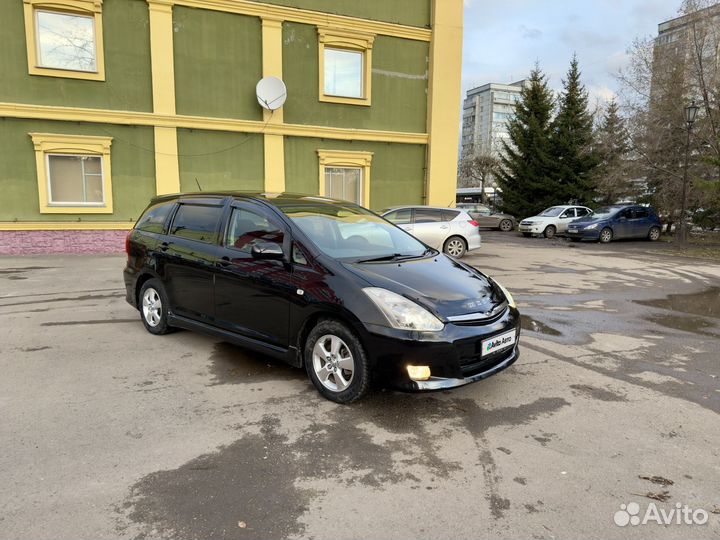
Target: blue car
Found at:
x=614, y=222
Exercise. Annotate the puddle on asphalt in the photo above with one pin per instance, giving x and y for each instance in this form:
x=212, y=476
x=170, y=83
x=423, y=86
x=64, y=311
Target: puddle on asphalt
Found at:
x=531, y=325
x=234, y=365
x=705, y=303
x=695, y=325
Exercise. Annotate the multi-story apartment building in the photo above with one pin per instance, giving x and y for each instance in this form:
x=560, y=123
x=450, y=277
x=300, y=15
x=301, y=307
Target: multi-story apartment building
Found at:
x=106, y=103
x=486, y=112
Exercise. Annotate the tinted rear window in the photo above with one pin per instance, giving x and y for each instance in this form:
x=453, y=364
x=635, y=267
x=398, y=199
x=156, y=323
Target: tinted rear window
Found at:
x=449, y=215
x=153, y=220
x=196, y=222
x=428, y=215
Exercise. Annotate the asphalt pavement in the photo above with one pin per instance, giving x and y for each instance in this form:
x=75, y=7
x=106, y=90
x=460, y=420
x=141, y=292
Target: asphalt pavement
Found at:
x=107, y=431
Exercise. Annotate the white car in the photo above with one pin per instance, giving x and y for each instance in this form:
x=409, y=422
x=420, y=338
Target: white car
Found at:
x=450, y=230
x=552, y=221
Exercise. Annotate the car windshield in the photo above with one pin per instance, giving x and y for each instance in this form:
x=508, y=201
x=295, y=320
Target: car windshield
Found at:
x=349, y=232
x=553, y=211
x=604, y=211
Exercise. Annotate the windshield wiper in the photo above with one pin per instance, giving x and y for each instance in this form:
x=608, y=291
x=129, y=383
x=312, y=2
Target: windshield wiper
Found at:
x=398, y=257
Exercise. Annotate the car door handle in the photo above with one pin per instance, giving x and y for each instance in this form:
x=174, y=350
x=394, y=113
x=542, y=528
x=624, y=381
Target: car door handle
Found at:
x=224, y=261
x=444, y=227
x=164, y=246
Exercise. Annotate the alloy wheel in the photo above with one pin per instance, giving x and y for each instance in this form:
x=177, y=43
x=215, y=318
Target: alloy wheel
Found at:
x=605, y=235
x=333, y=363
x=152, y=307
x=654, y=233
x=505, y=225
x=455, y=247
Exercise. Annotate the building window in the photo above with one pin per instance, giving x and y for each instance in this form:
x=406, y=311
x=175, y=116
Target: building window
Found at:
x=73, y=173
x=64, y=38
x=345, y=61
x=345, y=175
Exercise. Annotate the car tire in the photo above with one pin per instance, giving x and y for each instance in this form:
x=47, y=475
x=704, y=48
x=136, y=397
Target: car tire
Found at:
x=527, y=234
x=606, y=235
x=455, y=247
x=550, y=231
x=654, y=234
x=153, y=305
x=505, y=225
x=336, y=362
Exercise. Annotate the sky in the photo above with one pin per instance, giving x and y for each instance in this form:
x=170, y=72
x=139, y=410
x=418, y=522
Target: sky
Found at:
x=504, y=38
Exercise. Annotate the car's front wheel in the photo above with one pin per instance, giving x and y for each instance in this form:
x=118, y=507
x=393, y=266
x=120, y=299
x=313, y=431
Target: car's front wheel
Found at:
x=154, y=307
x=550, y=231
x=506, y=225
x=455, y=247
x=606, y=235
x=336, y=362
x=654, y=234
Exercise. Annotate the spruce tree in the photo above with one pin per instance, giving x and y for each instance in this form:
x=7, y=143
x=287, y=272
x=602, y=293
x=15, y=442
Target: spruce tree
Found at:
x=526, y=162
x=572, y=142
x=613, y=147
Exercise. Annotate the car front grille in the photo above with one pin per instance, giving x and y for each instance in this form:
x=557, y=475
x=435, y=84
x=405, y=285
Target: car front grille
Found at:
x=474, y=364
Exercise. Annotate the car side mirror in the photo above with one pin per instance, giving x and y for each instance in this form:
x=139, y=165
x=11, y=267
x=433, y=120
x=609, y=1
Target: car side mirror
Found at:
x=267, y=250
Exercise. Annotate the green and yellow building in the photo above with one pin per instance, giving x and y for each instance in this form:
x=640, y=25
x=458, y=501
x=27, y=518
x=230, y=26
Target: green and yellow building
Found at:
x=106, y=103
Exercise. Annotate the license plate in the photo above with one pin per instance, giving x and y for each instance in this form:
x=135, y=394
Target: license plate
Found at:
x=498, y=343
x=572, y=230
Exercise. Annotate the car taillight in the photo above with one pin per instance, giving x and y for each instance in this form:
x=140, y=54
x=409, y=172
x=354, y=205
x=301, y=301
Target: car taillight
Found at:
x=474, y=223
x=127, y=243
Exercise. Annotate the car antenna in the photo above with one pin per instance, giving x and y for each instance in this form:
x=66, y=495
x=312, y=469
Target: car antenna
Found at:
x=198, y=184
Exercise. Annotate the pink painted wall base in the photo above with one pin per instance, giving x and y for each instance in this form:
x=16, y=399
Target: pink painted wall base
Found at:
x=42, y=242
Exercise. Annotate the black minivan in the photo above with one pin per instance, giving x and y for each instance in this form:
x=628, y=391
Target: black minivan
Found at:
x=318, y=283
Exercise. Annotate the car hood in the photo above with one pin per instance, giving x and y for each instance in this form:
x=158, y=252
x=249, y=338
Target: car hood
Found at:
x=590, y=219
x=443, y=285
x=538, y=218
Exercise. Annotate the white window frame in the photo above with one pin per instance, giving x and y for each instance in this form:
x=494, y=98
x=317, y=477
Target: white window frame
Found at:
x=341, y=159
x=52, y=202
x=350, y=41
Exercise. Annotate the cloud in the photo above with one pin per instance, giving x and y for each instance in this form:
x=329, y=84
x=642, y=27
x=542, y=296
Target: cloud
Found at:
x=529, y=32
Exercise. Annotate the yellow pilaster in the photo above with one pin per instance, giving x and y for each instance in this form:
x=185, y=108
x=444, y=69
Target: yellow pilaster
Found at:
x=167, y=172
x=274, y=144
x=444, y=94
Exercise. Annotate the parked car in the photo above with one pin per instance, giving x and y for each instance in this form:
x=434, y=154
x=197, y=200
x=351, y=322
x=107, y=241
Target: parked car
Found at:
x=450, y=230
x=614, y=222
x=552, y=221
x=321, y=284
x=486, y=217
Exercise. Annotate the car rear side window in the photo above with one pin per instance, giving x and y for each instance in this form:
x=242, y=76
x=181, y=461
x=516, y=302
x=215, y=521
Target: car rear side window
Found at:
x=641, y=213
x=428, y=215
x=449, y=215
x=582, y=212
x=196, y=222
x=247, y=228
x=153, y=220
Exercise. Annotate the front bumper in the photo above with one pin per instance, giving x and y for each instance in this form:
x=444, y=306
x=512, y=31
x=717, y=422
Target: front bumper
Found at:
x=531, y=229
x=453, y=355
x=582, y=234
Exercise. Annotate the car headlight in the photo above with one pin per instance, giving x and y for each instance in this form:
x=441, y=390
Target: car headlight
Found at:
x=508, y=296
x=591, y=227
x=402, y=313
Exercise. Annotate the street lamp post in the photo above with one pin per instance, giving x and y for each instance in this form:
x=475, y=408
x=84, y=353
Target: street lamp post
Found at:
x=494, y=205
x=690, y=114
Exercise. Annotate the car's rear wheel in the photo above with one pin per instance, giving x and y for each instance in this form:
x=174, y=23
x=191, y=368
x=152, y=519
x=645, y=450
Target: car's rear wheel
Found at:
x=654, y=234
x=455, y=247
x=154, y=307
x=549, y=231
x=606, y=235
x=506, y=225
x=336, y=362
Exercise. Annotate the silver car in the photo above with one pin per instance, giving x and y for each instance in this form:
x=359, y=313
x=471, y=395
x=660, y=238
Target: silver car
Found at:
x=486, y=217
x=451, y=230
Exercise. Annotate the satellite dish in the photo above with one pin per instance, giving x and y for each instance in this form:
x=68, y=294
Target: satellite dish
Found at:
x=271, y=93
